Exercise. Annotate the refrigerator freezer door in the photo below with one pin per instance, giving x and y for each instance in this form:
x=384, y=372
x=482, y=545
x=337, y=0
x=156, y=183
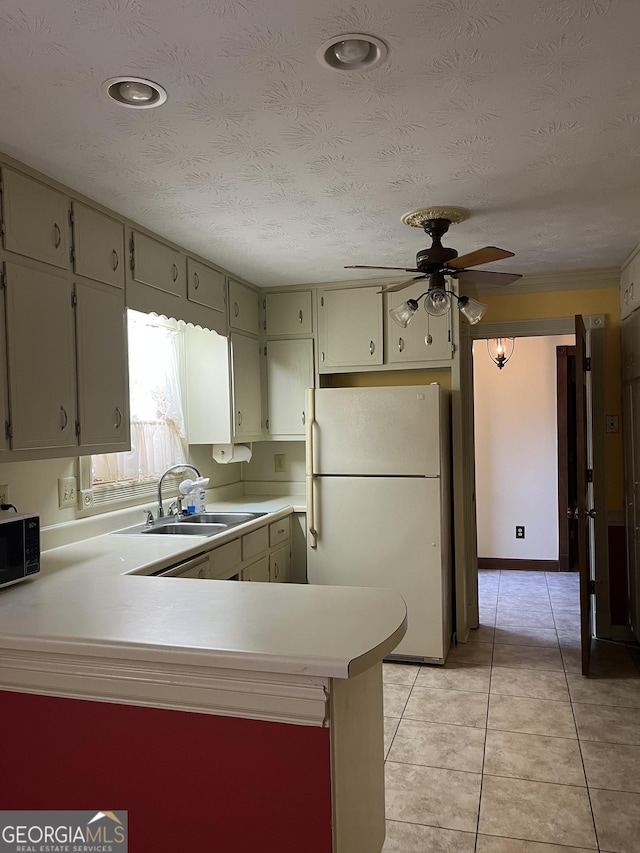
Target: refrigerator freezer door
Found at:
x=373, y=431
x=387, y=532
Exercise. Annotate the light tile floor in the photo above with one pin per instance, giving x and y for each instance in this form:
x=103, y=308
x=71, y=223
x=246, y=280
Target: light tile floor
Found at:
x=507, y=748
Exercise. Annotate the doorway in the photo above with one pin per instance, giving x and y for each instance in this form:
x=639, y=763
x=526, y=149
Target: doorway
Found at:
x=517, y=455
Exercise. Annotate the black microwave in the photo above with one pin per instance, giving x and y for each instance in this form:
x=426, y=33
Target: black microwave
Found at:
x=19, y=547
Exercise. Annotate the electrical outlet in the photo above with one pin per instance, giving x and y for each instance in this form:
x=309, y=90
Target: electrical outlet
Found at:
x=279, y=463
x=86, y=498
x=519, y=531
x=67, y=492
x=4, y=494
x=611, y=423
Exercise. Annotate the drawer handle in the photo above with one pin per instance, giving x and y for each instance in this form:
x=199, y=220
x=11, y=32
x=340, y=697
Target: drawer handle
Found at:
x=118, y=422
x=300, y=315
x=236, y=309
x=304, y=419
x=64, y=418
x=400, y=344
x=372, y=347
x=175, y=272
x=277, y=572
x=239, y=418
x=57, y=239
x=116, y=260
x=196, y=280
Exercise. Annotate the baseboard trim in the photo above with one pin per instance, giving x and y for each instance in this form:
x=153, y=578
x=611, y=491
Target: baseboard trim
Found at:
x=518, y=565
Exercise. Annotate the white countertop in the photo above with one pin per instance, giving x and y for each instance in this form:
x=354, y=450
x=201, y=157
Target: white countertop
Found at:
x=84, y=604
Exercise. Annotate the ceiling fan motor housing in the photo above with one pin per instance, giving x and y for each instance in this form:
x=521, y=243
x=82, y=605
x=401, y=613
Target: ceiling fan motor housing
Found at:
x=437, y=255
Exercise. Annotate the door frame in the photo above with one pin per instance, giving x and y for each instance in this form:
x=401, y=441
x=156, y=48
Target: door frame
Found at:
x=466, y=562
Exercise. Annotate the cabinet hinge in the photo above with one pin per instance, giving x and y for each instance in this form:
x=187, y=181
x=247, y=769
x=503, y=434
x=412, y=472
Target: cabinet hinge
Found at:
x=72, y=255
x=1, y=187
x=3, y=280
x=322, y=301
x=265, y=350
x=74, y=299
x=264, y=303
x=592, y=587
x=264, y=325
x=71, y=220
x=266, y=424
x=8, y=431
x=132, y=254
x=589, y=475
x=3, y=228
x=78, y=428
x=587, y=363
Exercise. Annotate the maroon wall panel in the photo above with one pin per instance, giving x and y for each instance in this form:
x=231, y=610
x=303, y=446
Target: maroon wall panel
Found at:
x=188, y=781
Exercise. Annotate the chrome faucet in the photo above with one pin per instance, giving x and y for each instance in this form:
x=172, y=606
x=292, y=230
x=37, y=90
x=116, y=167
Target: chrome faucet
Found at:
x=181, y=467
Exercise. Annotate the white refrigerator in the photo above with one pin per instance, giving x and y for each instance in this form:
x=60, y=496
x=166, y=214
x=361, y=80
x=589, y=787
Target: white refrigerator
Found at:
x=378, y=502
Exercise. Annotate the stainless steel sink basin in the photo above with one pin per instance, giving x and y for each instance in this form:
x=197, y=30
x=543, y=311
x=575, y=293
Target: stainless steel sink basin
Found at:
x=229, y=519
x=203, y=524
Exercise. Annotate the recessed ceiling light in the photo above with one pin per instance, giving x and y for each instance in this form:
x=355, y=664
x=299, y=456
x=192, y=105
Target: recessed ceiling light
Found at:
x=135, y=92
x=352, y=52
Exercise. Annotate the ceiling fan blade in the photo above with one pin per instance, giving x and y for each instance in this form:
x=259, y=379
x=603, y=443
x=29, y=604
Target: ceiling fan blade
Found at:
x=392, y=288
x=484, y=276
x=364, y=267
x=480, y=256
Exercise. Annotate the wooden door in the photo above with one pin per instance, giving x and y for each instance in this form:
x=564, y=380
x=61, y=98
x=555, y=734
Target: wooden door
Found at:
x=567, y=485
x=583, y=511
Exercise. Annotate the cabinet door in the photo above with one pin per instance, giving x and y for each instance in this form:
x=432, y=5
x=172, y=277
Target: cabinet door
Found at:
x=197, y=568
x=245, y=370
x=289, y=374
x=258, y=571
x=158, y=265
x=205, y=285
x=350, y=327
x=41, y=356
x=35, y=219
x=98, y=246
x=426, y=338
x=279, y=564
x=288, y=313
x=103, y=381
x=243, y=307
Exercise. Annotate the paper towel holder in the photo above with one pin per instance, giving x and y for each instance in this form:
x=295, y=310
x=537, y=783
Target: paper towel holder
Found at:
x=225, y=453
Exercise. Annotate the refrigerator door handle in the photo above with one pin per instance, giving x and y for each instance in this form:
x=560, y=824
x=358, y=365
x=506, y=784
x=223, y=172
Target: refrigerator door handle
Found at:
x=312, y=533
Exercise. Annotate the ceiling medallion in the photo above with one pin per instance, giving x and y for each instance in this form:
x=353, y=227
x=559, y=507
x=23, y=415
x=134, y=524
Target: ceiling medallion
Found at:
x=417, y=218
x=352, y=52
x=134, y=92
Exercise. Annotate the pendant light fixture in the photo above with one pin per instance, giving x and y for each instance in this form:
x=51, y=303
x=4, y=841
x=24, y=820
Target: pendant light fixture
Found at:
x=501, y=350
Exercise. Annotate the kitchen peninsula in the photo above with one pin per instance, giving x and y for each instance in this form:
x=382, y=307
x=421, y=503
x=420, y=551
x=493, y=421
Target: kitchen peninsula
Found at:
x=223, y=716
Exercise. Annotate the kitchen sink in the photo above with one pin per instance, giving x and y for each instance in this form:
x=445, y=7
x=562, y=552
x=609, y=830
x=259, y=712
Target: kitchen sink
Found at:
x=201, y=524
x=229, y=519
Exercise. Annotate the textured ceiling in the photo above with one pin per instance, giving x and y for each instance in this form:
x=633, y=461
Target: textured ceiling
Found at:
x=527, y=112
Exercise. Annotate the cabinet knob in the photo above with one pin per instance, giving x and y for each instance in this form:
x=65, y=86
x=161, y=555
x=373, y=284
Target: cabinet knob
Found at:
x=239, y=418
x=202, y=573
x=300, y=315
x=372, y=347
x=196, y=280
x=118, y=422
x=304, y=418
x=116, y=260
x=236, y=309
x=175, y=272
x=57, y=235
x=277, y=570
x=64, y=418
x=400, y=344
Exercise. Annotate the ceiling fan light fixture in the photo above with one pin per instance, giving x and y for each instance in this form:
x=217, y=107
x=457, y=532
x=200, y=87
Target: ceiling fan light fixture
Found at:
x=352, y=52
x=472, y=310
x=437, y=302
x=404, y=313
x=135, y=92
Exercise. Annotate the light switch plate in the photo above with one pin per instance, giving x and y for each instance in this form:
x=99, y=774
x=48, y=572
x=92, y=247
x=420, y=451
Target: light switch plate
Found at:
x=67, y=492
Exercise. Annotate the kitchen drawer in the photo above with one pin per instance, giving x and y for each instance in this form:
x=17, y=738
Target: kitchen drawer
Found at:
x=258, y=571
x=255, y=543
x=279, y=565
x=225, y=557
x=278, y=532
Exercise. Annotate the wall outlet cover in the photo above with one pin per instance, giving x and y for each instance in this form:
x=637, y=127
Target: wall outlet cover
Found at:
x=4, y=494
x=67, y=492
x=519, y=531
x=279, y=463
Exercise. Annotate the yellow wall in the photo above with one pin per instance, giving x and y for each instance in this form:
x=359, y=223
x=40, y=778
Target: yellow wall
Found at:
x=566, y=303
x=393, y=377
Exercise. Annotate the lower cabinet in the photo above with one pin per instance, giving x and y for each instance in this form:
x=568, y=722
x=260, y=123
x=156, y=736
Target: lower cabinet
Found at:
x=279, y=562
x=258, y=571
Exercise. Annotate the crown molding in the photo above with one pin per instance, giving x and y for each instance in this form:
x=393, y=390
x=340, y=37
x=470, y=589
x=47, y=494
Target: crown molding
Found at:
x=586, y=279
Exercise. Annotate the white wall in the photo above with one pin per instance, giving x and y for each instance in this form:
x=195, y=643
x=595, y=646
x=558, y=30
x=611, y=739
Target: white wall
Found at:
x=516, y=450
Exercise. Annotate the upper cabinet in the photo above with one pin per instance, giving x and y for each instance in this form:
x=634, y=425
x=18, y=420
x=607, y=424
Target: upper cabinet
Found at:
x=289, y=372
x=349, y=327
x=205, y=285
x=98, y=245
x=35, y=219
x=158, y=265
x=426, y=338
x=243, y=308
x=288, y=313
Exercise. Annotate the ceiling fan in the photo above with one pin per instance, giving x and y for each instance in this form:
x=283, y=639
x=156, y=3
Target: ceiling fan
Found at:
x=436, y=262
